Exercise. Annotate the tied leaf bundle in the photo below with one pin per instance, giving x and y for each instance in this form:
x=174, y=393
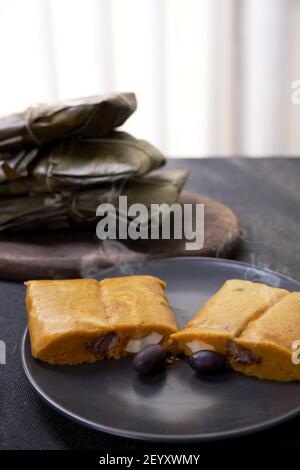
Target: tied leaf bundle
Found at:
x=78, y=208
x=59, y=162
x=22, y=133
x=84, y=163
x=94, y=116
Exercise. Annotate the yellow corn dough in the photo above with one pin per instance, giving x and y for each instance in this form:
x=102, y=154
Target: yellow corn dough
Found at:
x=270, y=340
x=253, y=324
x=226, y=313
x=83, y=320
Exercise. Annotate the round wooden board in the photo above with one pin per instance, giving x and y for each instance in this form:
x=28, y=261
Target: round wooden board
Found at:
x=69, y=254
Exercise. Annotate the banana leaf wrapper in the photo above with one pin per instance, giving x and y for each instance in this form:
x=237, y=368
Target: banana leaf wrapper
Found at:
x=78, y=208
x=91, y=117
x=77, y=164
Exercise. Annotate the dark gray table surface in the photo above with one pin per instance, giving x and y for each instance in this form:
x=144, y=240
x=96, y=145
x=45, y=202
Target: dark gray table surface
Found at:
x=265, y=193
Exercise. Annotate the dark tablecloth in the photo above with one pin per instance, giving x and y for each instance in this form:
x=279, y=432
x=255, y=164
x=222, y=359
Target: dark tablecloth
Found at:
x=265, y=193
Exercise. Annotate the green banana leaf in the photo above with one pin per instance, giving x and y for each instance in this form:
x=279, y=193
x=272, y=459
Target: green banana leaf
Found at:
x=92, y=117
x=14, y=165
x=83, y=163
x=78, y=208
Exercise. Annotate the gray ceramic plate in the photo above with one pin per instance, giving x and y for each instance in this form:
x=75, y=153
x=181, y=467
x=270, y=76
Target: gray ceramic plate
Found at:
x=176, y=405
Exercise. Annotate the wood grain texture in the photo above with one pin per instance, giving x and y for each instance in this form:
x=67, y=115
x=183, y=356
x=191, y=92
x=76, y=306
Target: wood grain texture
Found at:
x=71, y=254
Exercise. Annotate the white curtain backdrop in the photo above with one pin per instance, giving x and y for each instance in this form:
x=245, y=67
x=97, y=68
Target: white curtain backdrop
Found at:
x=212, y=77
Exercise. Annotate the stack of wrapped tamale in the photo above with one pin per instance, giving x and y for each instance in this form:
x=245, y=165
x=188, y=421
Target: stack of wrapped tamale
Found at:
x=59, y=162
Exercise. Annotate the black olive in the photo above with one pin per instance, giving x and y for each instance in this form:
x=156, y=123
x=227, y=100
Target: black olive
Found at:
x=150, y=360
x=207, y=362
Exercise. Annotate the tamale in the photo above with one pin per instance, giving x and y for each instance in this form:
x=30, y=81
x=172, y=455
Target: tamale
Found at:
x=225, y=315
x=162, y=186
x=82, y=320
x=92, y=117
x=85, y=163
x=253, y=325
x=269, y=341
x=79, y=207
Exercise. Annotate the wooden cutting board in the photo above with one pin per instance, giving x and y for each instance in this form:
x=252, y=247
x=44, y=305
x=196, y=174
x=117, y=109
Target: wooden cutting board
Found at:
x=69, y=254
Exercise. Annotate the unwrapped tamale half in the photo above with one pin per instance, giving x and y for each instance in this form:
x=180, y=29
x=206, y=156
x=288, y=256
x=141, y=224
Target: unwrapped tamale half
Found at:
x=83, y=320
x=253, y=325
